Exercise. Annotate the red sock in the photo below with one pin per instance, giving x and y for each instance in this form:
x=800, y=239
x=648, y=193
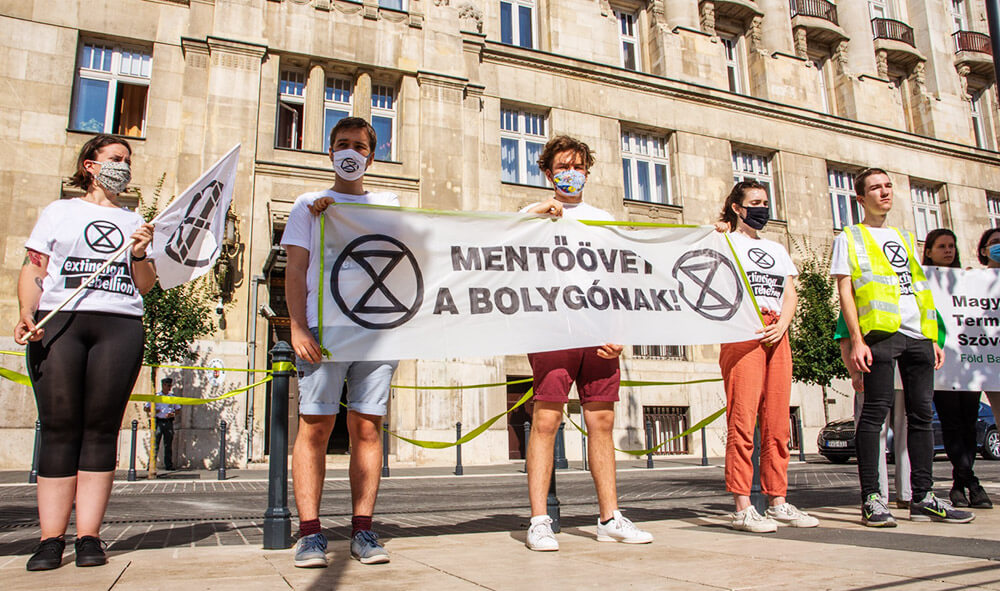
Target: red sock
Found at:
x=308, y=527
x=360, y=523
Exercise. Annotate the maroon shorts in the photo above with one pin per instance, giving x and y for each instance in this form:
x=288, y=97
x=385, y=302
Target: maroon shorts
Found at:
x=597, y=379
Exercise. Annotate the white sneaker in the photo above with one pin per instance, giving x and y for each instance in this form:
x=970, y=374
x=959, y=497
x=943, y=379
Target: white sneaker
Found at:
x=621, y=529
x=788, y=514
x=540, y=536
x=750, y=520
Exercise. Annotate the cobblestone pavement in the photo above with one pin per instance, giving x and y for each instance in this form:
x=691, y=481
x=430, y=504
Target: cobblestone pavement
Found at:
x=195, y=513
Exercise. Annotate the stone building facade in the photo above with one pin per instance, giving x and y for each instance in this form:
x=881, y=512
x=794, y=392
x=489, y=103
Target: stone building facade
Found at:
x=677, y=98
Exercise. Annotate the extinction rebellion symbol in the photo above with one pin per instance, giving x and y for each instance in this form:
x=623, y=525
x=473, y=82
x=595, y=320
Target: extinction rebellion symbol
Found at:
x=709, y=283
x=761, y=258
x=349, y=165
x=388, y=291
x=184, y=245
x=103, y=236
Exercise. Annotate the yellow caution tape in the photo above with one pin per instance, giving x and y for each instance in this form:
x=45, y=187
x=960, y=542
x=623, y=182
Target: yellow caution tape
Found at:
x=18, y=378
x=183, y=400
x=468, y=436
x=524, y=381
x=641, y=452
x=18, y=353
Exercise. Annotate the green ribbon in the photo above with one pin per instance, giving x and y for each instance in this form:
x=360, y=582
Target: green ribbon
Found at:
x=183, y=400
x=641, y=452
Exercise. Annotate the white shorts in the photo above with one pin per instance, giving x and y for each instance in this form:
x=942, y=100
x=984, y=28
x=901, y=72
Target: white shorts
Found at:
x=321, y=384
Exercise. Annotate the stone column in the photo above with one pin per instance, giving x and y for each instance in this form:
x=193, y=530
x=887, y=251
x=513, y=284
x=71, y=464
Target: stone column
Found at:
x=314, y=115
x=683, y=13
x=775, y=28
x=363, y=95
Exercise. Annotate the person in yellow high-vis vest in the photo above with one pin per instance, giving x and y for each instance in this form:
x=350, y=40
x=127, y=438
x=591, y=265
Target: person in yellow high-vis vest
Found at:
x=890, y=315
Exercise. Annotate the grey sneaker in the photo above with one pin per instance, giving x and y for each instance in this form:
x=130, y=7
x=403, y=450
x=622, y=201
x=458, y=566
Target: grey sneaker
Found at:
x=932, y=508
x=874, y=513
x=310, y=551
x=365, y=548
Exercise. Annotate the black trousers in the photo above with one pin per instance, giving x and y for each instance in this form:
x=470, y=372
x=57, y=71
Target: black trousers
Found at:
x=165, y=431
x=958, y=412
x=915, y=358
x=82, y=372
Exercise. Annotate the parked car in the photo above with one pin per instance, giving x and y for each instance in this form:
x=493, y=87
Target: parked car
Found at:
x=836, y=439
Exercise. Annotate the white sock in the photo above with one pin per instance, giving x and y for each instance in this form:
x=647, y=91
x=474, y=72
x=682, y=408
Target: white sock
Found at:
x=536, y=519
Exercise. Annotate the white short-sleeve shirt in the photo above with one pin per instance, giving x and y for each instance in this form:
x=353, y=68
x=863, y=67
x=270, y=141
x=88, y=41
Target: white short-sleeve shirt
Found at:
x=303, y=228
x=767, y=266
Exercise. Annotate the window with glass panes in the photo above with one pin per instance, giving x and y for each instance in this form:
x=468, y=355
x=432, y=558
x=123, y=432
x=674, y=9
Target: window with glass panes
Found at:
x=843, y=201
x=393, y=4
x=336, y=106
x=517, y=23
x=291, y=106
x=384, y=119
x=658, y=351
x=754, y=166
x=628, y=39
x=734, y=67
x=112, y=88
x=645, y=167
x=993, y=208
x=978, y=126
x=926, y=209
x=522, y=137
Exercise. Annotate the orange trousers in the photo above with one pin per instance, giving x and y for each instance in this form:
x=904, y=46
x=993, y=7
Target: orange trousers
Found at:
x=758, y=382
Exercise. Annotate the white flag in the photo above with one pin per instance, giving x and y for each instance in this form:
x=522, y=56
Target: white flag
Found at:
x=188, y=233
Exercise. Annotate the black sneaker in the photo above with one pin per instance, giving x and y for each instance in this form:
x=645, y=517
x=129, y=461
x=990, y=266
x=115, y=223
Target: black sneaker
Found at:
x=90, y=551
x=932, y=508
x=958, y=498
x=978, y=498
x=874, y=513
x=48, y=554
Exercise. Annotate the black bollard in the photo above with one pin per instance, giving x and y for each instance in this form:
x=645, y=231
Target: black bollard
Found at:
x=527, y=435
x=277, y=518
x=649, y=443
x=222, y=450
x=552, y=502
x=802, y=442
x=704, y=448
x=33, y=475
x=385, y=451
x=458, y=449
x=131, y=459
x=757, y=497
x=559, y=461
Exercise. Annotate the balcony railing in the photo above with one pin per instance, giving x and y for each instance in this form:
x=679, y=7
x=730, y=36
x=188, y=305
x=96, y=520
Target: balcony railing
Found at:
x=887, y=28
x=817, y=8
x=972, y=41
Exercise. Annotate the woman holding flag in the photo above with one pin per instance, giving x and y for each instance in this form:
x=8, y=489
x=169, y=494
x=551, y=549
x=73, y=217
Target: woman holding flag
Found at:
x=84, y=362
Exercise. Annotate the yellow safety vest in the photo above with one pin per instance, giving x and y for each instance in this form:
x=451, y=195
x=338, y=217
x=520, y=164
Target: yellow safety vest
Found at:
x=876, y=285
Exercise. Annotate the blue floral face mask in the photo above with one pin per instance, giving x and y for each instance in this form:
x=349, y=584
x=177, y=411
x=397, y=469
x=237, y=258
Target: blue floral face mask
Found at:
x=995, y=252
x=569, y=183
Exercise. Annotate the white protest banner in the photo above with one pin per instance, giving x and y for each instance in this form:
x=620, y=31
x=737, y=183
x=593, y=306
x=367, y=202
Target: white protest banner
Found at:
x=969, y=304
x=189, y=232
x=417, y=284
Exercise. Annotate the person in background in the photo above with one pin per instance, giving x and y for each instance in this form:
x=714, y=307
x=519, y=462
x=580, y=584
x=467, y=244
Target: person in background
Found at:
x=758, y=373
x=166, y=412
x=988, y=253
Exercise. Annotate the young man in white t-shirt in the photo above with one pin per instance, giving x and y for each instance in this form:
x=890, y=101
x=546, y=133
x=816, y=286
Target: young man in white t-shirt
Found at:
x=352, y=151
x=875, y=351
x=566, y=162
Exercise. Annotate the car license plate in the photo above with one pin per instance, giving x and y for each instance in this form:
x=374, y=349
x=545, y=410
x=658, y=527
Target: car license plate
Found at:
x=836, y=444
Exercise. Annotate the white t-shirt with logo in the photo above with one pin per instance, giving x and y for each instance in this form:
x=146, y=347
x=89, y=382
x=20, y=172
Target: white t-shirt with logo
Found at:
x=78, y=237
x=579, y=211
x=894, y=250
x=303, y=228
x=767, y=266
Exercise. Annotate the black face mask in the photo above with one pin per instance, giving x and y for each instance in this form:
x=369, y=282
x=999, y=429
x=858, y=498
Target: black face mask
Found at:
x=757, y=217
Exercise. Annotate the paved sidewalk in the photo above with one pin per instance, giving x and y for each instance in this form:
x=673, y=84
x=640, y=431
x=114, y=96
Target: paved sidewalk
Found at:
x=191, y=532
x=688, y=554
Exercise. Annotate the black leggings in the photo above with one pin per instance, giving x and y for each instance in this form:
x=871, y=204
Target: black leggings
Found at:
x=83, y=371
x=958, y=412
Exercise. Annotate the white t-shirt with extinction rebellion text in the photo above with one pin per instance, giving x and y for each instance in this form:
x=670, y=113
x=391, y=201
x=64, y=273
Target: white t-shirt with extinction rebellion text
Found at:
x=78, y=237
x=767, y=266
x=895, y=251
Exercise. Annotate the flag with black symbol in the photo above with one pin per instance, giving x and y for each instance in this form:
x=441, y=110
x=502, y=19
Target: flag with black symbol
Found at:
x=188, y=234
